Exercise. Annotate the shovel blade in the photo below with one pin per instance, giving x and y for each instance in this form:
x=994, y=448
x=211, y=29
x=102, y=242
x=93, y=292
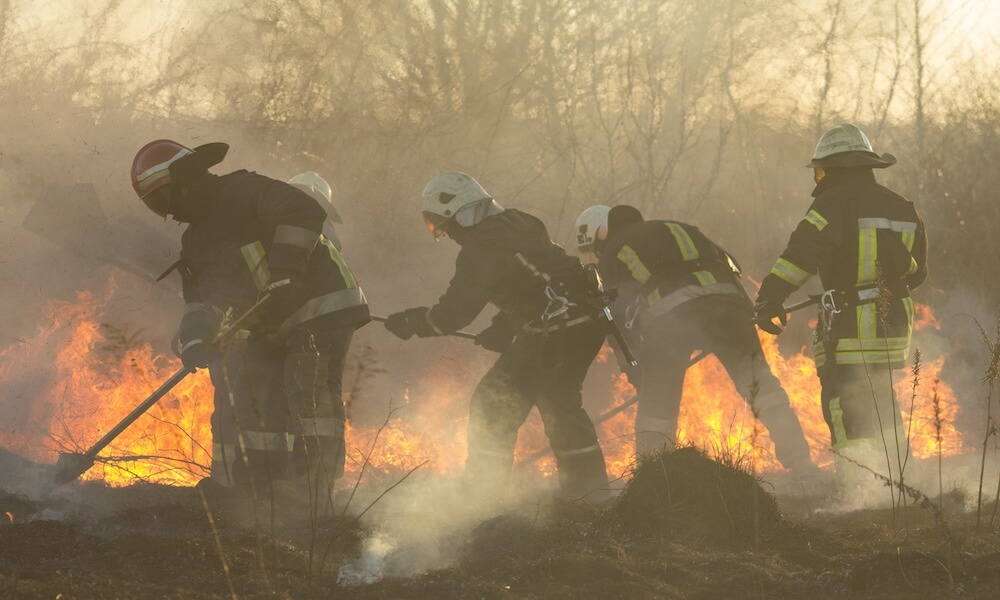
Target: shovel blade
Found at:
x=70, y=465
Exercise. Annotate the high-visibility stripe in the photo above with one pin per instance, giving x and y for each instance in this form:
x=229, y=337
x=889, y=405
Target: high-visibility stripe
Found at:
x=705, y=278
x=644, y=423
x=577, y=451
x=854, y=351
x=872, y=344
x=837, y=420
x=630, y=259
x=322, y=426
x=345, y=271
x=219, y=450
x=256, y=260
x=908, y=239
x=867, y=253
x=492, y=453
x=295, y=236
x=690, y=292
x=866, y=321
x=265, y=440
x=325, y=304
x=879, y=223
x=790, y=272
x=908, y=307
x=816, y=220
x=819, y=354
x=684, y=242
x=914, y=267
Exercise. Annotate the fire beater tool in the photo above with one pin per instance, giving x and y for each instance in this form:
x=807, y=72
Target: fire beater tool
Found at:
x=811, y=300
x=71, y=465
x=462, y=334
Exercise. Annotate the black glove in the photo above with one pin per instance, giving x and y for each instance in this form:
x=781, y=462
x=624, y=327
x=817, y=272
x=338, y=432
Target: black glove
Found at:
x=283, y=289
x=197, y=354
x=197, y=330
x=411, y=322
x=764, y=312
x=499, y=335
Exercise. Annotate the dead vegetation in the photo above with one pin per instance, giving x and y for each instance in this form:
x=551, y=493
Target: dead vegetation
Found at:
x=691, y=542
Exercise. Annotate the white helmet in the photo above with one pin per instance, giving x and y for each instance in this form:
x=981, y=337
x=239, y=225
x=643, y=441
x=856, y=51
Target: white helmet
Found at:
x=591, y=226
x=313, y=184
x=456, y=196
x=847, y=146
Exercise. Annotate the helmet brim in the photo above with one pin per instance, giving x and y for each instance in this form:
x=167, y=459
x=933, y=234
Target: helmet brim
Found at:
x=855, y=158
x=188, y=168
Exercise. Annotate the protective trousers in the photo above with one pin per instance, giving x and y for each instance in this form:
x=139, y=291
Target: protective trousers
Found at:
x=224, y=443
x=253, y=392
x=313, y=378
x=866, y=428
x=723, y=327
x=547, y=371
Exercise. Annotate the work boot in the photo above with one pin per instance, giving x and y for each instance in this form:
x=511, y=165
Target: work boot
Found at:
x=582, y=472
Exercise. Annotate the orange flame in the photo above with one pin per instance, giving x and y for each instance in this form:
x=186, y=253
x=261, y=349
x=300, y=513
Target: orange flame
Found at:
x=96, y=382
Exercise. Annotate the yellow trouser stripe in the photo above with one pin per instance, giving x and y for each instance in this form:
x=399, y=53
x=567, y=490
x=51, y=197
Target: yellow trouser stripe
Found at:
x=837, y=419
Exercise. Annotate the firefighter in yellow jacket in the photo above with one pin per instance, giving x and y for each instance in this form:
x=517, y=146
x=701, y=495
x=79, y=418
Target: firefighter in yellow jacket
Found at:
x=869, y=247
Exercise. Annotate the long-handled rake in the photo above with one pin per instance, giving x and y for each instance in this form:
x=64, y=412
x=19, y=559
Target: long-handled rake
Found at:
x=71, y=465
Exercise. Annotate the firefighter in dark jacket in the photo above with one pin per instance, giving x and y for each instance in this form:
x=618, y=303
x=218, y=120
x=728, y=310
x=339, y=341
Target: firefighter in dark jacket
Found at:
x=250, y=237
x=226, y=378
x=679, y=292
x=869, y=247
x=546, y=338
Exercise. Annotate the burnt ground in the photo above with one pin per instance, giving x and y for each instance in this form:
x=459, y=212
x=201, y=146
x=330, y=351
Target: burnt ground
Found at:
x=719, y=535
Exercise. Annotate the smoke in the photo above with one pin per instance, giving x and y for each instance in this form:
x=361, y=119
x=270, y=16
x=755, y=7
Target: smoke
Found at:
x=426, y=525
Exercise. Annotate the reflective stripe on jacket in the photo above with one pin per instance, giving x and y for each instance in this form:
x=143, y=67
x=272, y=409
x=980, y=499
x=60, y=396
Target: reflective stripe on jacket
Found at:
x=858, y=234
x=666, y=264
x=251, y=229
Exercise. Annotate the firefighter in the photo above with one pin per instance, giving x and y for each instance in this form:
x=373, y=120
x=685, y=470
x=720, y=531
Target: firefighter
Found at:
x=545, y=337
x=248, y=238
x=226, y=378
x=869, y=247
x=679, y=292
x=313, y=184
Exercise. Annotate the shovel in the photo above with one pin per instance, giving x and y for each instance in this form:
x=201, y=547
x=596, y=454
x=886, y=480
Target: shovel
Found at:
x=71, y=465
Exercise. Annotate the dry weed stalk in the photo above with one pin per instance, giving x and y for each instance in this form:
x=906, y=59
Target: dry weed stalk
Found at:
x=991, y=378
x=921, y=500
x=938, y=423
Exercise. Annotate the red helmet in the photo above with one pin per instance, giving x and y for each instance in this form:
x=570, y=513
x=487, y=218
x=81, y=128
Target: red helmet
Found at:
x=162, y=162
x=151, y=165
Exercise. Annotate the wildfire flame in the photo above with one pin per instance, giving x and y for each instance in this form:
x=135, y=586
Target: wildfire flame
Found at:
x=97, y=379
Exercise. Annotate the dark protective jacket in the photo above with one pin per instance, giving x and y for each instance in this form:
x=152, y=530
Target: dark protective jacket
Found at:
x=489, y=270
x=664, y=264
x=246, y=230
x=865, y=241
